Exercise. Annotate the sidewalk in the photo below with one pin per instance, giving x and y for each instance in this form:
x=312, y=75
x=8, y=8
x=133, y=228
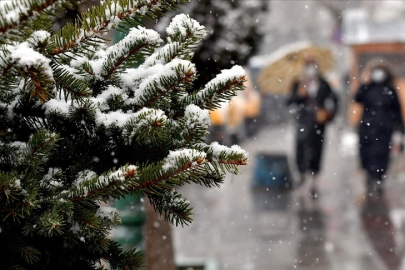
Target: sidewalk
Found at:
x=250, y=230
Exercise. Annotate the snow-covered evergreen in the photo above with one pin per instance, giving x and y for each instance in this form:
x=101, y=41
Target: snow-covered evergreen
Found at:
x=82, y=123
x=234, y=33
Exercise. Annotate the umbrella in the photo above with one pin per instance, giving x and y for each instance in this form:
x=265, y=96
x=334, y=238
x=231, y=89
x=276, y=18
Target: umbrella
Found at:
x=284, y=66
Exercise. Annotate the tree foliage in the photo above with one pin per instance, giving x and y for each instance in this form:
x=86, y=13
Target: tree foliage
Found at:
x=234, y=33
x=80, y=126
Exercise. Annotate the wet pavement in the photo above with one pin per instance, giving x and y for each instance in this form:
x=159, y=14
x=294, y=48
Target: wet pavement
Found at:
x=246, y=228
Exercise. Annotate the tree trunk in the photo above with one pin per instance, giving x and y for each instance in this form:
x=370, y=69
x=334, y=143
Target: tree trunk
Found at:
x=159, y=248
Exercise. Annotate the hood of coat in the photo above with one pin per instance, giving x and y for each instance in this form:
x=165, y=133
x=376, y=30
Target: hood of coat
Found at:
x=374, y=65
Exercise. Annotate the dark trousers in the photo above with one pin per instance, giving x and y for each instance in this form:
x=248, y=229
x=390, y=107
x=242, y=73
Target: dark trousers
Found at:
x=375, y=152
x=309, y=145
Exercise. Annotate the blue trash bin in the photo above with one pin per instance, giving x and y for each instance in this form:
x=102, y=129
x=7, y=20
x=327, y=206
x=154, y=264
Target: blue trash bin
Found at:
x=272, y=171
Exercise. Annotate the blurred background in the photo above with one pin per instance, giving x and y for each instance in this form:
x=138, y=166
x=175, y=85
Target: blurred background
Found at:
x=257, y=220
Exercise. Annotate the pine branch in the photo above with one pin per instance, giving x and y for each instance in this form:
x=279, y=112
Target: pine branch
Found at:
x=57, y=158
x=227, y=158
x=40, y=145
x=26, y=12
x=185, y=30
x=6, y=64
x=112, y=184
x=222, y=88
x=174, y=78
x=9, y=190
x=101, y=19
x=68, y=80
x=184, y=35
x=50, y=224
x=7, y=154
x=24, y=57
x=139, y=42
x=174, y=207
x=42, y=84
x=193, y=126
x=152, y=183
x=145, y=126
x=119, y=260
x=30, y=254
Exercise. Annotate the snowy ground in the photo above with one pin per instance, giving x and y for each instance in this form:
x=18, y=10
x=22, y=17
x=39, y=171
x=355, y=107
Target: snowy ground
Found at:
x=251, y=230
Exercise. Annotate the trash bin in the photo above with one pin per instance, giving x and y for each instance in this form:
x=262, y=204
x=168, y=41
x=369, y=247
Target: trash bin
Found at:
x=130, y=233
x=198, y=264
x=272, y=171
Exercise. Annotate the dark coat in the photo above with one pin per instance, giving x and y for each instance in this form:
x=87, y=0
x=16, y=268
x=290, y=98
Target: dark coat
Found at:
x=310, y=134
x=381, y=114
x=306, y=111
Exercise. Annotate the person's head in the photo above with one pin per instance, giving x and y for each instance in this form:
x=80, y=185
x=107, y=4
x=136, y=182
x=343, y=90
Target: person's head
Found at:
x=378, y=75
x=377, y=71
x=311, y=69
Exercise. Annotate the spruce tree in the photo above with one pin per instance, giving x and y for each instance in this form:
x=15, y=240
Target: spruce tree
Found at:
x=80, y=126
x=235, y=33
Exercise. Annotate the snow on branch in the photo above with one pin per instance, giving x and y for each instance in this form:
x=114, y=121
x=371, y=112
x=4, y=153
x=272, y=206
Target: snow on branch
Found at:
x=114, y=118
x=166, y=54
x=14, y=13
x=101, y=19
x=133, y=77
x=88, y=185
x=131, y=123
x=39, y=38
x=193, y=126
x=60, y=106
x=191, y=156
x=230, y=155
x=139, y=41
x=195, y=116
x=222, y=88
x=52, y=179
x=25, y=56
x=184, y=34
x=184, y=29
x=70, y=82
x=173, y=78
x=142, y=124
x=226, y=158
x=172, y=171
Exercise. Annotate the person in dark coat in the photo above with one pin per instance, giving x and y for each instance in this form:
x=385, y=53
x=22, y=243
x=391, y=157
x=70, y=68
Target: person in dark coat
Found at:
x=316, y=106
x=381, y=115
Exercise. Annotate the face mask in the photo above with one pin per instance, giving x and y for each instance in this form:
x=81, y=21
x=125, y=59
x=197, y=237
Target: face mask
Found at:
x=378, y=75
x=310, y=71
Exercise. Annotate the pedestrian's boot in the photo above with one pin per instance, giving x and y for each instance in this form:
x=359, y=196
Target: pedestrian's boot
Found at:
x=370, y=185
x=379, y=188
x=313, y=192
x=301, y=180
x=374, y=187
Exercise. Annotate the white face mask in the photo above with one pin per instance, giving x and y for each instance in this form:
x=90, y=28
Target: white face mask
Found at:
x=310, y=71
x=378, y=75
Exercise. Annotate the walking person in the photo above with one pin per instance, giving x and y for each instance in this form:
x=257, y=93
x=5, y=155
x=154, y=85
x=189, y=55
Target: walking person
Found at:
x=316, y=107
x=381, y=116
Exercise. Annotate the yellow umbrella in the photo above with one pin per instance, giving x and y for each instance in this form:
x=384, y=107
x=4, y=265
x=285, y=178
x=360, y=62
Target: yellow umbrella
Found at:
x=284, y=66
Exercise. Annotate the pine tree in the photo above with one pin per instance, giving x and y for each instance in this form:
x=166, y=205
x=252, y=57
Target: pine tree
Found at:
x=235, y=33
x=80, y=126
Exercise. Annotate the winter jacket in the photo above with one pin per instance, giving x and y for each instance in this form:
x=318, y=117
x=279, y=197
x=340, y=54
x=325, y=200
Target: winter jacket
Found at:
x=381, y=115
